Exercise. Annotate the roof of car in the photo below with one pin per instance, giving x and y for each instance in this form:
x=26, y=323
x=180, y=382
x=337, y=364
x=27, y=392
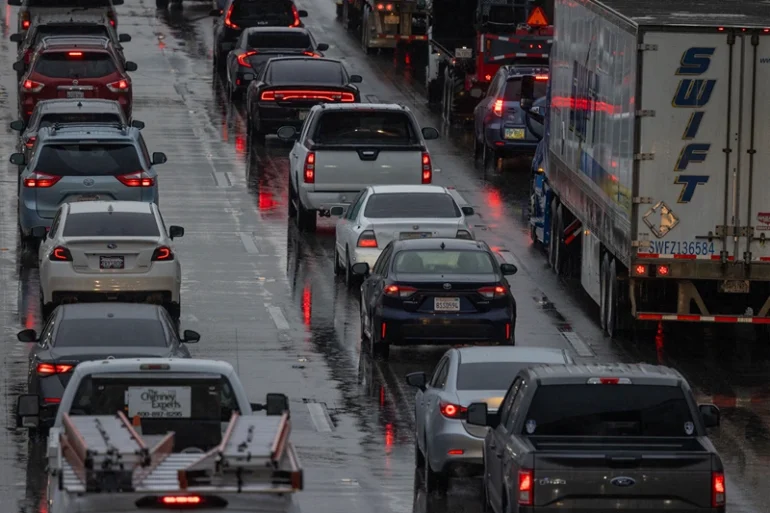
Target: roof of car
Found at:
x=118, y=365
x=362, y=106
x=301, y=30
x=90, y=131
x=79, y=311
x=435, y=243
x=505, y=354
x=90, y=207
x=89, y=42
x=640, y=373
x=75, y=105
x=401, y=189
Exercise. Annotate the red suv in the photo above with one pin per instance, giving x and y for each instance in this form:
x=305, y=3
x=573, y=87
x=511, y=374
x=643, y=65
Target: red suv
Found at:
x=64, y=67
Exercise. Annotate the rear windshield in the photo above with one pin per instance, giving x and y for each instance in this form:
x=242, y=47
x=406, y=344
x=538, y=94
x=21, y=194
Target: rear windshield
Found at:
x=609, y=410
x=95, y=117
x=279, y=40
x=489, y=376
x=90, y=159
x=306, y=71
x=262, y=12
x=412, y=204
x=444, y=262
x=513, y=89
x=116, y=224
x=69, y=3
x=75, y=65
x=70, y=30
x=361, y=127
x=110, y=333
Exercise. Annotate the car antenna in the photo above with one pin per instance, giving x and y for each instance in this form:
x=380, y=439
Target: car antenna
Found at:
x=80, y=104
x=110, y=210
x=443, y=245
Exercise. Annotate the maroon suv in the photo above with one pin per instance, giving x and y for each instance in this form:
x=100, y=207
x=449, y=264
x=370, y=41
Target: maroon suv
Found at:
x=62, y=67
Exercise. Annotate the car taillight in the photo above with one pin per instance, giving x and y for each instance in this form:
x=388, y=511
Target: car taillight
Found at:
x=41, y=180
x=49, y=369
x=30, y=86
x=452, y=411
x=228, y=21
x=492, y=292
x=295, y=12
x=138, y=179
x=497, y=108
x=464, y=234
x=401, y=291
x=367, y=239
x=30, y=141
x=300, y=94
x=718, y=491
x=163, y=254
x=526, y=487
x=25, y=20
x=309, y=172
x=427, y=168
x=60, y=254
x=180, y=499
x=119, y=86
x=242, y=58
x=311, y=54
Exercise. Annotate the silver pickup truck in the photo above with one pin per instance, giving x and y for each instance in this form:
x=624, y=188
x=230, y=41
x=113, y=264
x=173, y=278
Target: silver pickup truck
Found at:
x=343, y=148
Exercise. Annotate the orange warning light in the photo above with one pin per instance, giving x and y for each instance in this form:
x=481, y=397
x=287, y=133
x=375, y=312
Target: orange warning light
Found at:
x=537, y=18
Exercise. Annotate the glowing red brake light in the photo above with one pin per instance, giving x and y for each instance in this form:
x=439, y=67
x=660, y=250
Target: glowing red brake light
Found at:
x=311, y=54
x=492, y=292
x=119, y=86
x=367, y=239
x=401, y=291
x=309, y=174
x=74, y=54
x=452, y=411
x=427, y=168
x=526, y=487
x=49, y=369
x=295, y=12
x=30, y=142
x=242, y=59
x=301, y=94
x=30, y=86
x=163, y=253
x=228, y=21
x=25, y=24
x=497, y=108
x=541, y=77
x=41, y=180
x=718, y=489
x=138, y=179
x=181, y=499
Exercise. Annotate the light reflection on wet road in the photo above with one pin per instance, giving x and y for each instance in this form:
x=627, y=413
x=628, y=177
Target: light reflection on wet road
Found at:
x=263, y=295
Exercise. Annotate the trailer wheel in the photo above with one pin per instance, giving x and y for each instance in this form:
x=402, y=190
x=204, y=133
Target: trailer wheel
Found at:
x=452, y=86
x=604, y=281
x=612, y=304
x=557, y=244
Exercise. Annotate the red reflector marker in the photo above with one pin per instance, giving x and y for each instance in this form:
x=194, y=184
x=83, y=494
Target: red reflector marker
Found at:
x=75, y=54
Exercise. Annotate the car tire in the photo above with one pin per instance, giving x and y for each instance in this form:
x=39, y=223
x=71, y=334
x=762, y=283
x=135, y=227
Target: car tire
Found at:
x=490, y=158
x=292, y=199
x=161, y=4
x=337, y=267
x=419, y=458
x=364, y=338
x=349, y=278
x=478, y=147
x=174, y=310
x=306, y=218
x=435, y=482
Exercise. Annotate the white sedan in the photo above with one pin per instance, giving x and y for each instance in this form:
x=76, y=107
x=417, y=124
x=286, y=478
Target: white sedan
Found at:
x=109, y=250
x=381, y=213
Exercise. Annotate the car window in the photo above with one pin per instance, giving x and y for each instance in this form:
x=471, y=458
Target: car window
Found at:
x=88, y=159
x=488, y=375
x=55, y=223
x=520, y=395
x=70, y=30
x=382, y=261
x=75, y=65
x=604, y=410
x=285, y=39
x=365, y=127
x=79, y=117
x=356, y=207
x=144, y=150
x=505, y=407
x=262, y=13
x=306, y=71
x=444, y=262
x=114, y=333
x=513, y=88
x=439, y=375
x=412, y=204
x=46, y=334
x=116, y=224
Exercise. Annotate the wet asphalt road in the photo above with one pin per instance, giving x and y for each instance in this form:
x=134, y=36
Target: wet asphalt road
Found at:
x=264, y=298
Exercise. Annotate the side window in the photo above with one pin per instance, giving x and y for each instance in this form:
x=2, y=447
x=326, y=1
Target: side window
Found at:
x=171, y=335
x=515, y=406
x=381, y=265
x=145, y=152
x=162, y=222
x=356, y=205
x=55, y=224
x=495, y=85
x=440, y=374
x=242, y=40
x=46, y=335
x=510, y=397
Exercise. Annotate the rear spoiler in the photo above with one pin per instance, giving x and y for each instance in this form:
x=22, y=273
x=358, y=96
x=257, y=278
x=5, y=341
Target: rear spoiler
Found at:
x=314, y=146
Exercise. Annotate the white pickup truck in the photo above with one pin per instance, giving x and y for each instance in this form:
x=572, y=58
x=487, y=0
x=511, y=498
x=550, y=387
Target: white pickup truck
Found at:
x=344, y=148
x=158, y=433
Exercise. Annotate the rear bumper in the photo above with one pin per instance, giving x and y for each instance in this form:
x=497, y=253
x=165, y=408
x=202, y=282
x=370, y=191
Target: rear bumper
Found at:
x=404, y=328
x=313, y=200
x=494, y=139
x=273, y=117
x=453, y=437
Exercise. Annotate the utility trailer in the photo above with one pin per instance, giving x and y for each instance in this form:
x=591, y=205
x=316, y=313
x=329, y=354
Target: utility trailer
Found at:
x=656, y=172
x=384, y=23
x=103, y=463
x=470, y=39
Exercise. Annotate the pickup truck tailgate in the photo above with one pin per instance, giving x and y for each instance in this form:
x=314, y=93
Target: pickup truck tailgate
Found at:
x=354, y=168
x=644, y=479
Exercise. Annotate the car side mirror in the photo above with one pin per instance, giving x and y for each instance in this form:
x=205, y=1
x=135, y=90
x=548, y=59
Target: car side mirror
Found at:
x=124, y=38
x=18, y=125
x=417, y=380
x=337, y=211
x=159, y=158
x=17, y=38
x=248, y=77
x=27, y=336
x=468, y=211
x=287, y=133
x=276, y=404
x=39, y=232
x=137, y=124
x=19, y=159
x=175, y=232
x=302, y=14
x=14, y=3
x=355, y=79
x=215, y=12
x=526, y=103
x=131, y=66
x=190, y=336
x=360, y=269
x=508, y=269
x=322, y=47
x=19, y=66
x=27, y=410
x=478, y=415
x=429, y=133
x=710, y=415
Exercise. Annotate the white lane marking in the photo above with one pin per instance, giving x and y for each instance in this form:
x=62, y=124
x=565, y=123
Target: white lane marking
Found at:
x=577, y=343
x=320, y=417
x=222, y=179
x=188, y=317
x=278, y=318
x=249, y=243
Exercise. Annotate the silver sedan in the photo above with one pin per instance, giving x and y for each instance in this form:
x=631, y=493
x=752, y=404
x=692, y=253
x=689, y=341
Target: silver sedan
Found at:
x=445, y=445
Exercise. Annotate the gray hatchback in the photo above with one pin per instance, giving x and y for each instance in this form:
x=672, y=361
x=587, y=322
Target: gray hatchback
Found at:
x=83, y=163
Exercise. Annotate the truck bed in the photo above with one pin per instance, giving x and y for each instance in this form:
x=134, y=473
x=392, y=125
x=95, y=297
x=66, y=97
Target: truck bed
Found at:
x=611, y=444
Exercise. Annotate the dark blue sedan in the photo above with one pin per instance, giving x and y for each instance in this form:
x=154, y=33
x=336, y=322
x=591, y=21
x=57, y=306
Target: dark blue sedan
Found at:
x=435, y=291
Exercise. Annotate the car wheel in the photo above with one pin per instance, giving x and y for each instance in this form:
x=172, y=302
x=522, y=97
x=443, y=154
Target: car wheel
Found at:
x=349, y=278
x=337, y=268
x=364, y=337
x=293, y=206
x=435, y=482
x=419, y=459
x=478, y=147
x=174, y=310
x=257, y=135
x=161, y=4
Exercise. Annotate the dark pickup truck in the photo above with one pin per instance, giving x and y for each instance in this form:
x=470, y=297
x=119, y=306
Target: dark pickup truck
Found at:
x=599, y=438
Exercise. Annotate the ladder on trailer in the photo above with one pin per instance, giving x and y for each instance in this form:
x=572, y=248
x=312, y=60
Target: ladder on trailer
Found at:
x=99, y=454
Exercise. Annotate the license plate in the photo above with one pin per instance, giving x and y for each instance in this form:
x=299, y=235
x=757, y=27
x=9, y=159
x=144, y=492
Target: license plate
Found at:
x=414, y=235
x=303, y=114
x=734, y=286
x=76, y=94
x=392, y=20
x=463, y=53
x=446, y=304
x=87, y=197
x=514, y=133
x=111, y=262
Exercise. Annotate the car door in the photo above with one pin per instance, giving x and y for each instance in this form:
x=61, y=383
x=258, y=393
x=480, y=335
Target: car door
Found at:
x=372, y=286
x=507, y=464
x=420, y=400
x=494, y=446
x=44, y=343
x=342, y=229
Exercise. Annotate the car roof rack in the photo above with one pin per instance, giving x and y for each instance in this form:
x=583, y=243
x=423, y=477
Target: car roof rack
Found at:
x=103, y=453
x=80, y=124
x=74, y=41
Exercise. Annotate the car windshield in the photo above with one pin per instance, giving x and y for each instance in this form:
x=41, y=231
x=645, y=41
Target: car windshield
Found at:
x=305, y=71
x=444, y=262
x=604, y=410
x=88, y=159
x=79, y=117
x=115, y=224
x=286, y=39
x=513, y=89
x=75, y=64
x=70, y=30
x=115, y=333
x=365, y=127
x=411, y=205
x=262, y=13
x=489, y=375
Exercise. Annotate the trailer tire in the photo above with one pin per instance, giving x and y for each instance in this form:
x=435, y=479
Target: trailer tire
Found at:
x=612, y=304
x=604, y=285
x=559, y=249
x=452, y=85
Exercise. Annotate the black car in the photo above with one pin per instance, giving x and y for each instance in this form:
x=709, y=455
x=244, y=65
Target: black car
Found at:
x=242, y=14
x=81, y=332
x=257, y=45
x=288, y=87
x=435, y=291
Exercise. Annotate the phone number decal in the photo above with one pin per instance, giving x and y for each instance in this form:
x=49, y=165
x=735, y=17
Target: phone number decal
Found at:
x=679, y=247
